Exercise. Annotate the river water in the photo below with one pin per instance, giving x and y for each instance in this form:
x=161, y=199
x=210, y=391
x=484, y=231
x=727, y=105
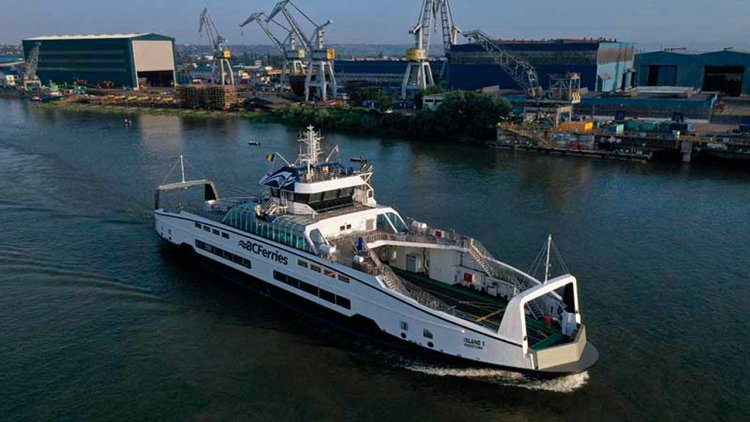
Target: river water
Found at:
x=99, y=320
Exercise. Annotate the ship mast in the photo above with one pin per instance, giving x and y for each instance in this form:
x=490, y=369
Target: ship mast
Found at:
x=547, y=266
x=309, y=149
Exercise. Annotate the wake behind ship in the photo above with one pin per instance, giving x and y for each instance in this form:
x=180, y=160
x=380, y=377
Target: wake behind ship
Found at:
x=318, y=233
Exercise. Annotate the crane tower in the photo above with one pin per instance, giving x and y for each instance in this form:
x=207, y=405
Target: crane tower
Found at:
x=418, y=74
x=293, y=55
x=221, y=69
x=320, y=75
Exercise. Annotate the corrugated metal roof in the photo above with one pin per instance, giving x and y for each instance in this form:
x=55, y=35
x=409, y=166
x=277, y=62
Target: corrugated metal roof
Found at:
x=88, y=36
x=691, y=52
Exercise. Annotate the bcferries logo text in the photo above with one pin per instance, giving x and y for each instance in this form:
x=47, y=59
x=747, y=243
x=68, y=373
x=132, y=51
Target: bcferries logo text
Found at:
x=258, y=249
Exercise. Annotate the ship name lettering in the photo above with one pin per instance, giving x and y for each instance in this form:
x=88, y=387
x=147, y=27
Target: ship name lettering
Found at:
x=258, y=249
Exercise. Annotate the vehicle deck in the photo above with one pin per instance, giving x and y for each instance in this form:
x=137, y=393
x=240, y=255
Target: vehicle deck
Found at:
x=484, y=308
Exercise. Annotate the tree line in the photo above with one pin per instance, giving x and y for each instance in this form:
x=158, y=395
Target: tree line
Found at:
x=462, y=115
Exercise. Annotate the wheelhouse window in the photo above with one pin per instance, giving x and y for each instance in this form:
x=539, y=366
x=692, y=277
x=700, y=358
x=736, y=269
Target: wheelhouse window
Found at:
x=328, y=199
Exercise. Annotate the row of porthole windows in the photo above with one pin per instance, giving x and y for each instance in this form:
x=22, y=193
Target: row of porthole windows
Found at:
x=223, y=254
x=325, y=271
x=313, y=290
x=208, y=229
x=425, y=332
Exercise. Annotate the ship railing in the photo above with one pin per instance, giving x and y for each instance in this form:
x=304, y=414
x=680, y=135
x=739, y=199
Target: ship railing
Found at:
x=396, y=283
x=491, y=266
x=346, y=250
x=408, y=289
x=213, y=210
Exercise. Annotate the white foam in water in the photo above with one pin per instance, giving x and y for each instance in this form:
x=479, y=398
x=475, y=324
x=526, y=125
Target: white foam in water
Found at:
x=564, y=384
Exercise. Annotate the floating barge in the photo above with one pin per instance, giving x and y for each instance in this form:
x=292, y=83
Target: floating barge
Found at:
x=611, y=155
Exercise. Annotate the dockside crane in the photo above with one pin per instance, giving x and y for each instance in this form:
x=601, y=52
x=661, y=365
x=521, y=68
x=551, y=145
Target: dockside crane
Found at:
x=320, y=74
x=564, y=88
x=221, y=69
x=418, y=74
x=518, y=68
x=293, y=55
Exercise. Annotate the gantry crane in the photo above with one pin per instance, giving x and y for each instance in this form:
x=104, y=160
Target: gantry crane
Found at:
x=293, y=55
x=418, y=74
x=320, y=58
x=221, y=55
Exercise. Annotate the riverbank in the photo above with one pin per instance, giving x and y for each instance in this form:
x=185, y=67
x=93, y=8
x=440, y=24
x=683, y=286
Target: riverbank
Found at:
x=256, y=116
x=465, y=117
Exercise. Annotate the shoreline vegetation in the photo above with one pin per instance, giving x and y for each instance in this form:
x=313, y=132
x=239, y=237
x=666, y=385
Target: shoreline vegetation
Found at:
x=462, y=116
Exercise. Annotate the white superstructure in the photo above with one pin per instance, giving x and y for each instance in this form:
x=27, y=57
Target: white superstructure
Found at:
x=319, y=234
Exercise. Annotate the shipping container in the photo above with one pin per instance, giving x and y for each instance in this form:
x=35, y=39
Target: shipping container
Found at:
x=576, y=127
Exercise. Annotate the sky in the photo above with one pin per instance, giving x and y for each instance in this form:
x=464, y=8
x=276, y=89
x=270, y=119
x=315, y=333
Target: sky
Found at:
x=686, y=23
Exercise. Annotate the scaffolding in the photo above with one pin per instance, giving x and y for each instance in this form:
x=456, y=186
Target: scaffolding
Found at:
x=212, y=97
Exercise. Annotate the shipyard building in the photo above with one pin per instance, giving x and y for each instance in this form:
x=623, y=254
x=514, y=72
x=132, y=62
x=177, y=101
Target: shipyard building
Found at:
x=106, y=60
x=726, y=71
x=604, y=65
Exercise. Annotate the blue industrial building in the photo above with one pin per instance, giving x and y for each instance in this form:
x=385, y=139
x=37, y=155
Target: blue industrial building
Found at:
x=604, y=65
x=108, y=60
x=387, y=74
x=726, y=71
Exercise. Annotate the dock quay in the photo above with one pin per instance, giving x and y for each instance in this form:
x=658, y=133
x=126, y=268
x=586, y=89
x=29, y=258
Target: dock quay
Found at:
x=638, y=146
x=573, y=152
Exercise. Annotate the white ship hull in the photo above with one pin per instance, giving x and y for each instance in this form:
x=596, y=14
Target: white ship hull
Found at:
x=363, y=295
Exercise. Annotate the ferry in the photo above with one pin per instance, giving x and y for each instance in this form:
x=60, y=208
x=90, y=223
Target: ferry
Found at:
x=317, y=234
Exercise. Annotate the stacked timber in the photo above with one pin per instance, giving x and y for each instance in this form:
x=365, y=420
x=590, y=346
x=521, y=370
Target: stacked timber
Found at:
x=212, y=97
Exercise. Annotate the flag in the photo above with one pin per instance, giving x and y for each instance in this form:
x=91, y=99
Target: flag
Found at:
x=270, y=157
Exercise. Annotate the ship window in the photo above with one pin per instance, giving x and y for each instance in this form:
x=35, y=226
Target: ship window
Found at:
x=342, y=228
x=206, y=228
x=427, y=333
x=302, y=198
x=348, y=226
x=343, y=278
x=315, y=268
x=225, y=235
x=329, y=273
x=404, y=326
x=327, y=296
x=331, y=194
x=315, y=198
x=286, y=279
x=309, y=288
x=302, y=263
x=275, y=192
x=346, y=192
x=247, y=263
x=197, y=225
x=397, y=222
x=216, y=232
x=200, y=244
x=343, y=302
